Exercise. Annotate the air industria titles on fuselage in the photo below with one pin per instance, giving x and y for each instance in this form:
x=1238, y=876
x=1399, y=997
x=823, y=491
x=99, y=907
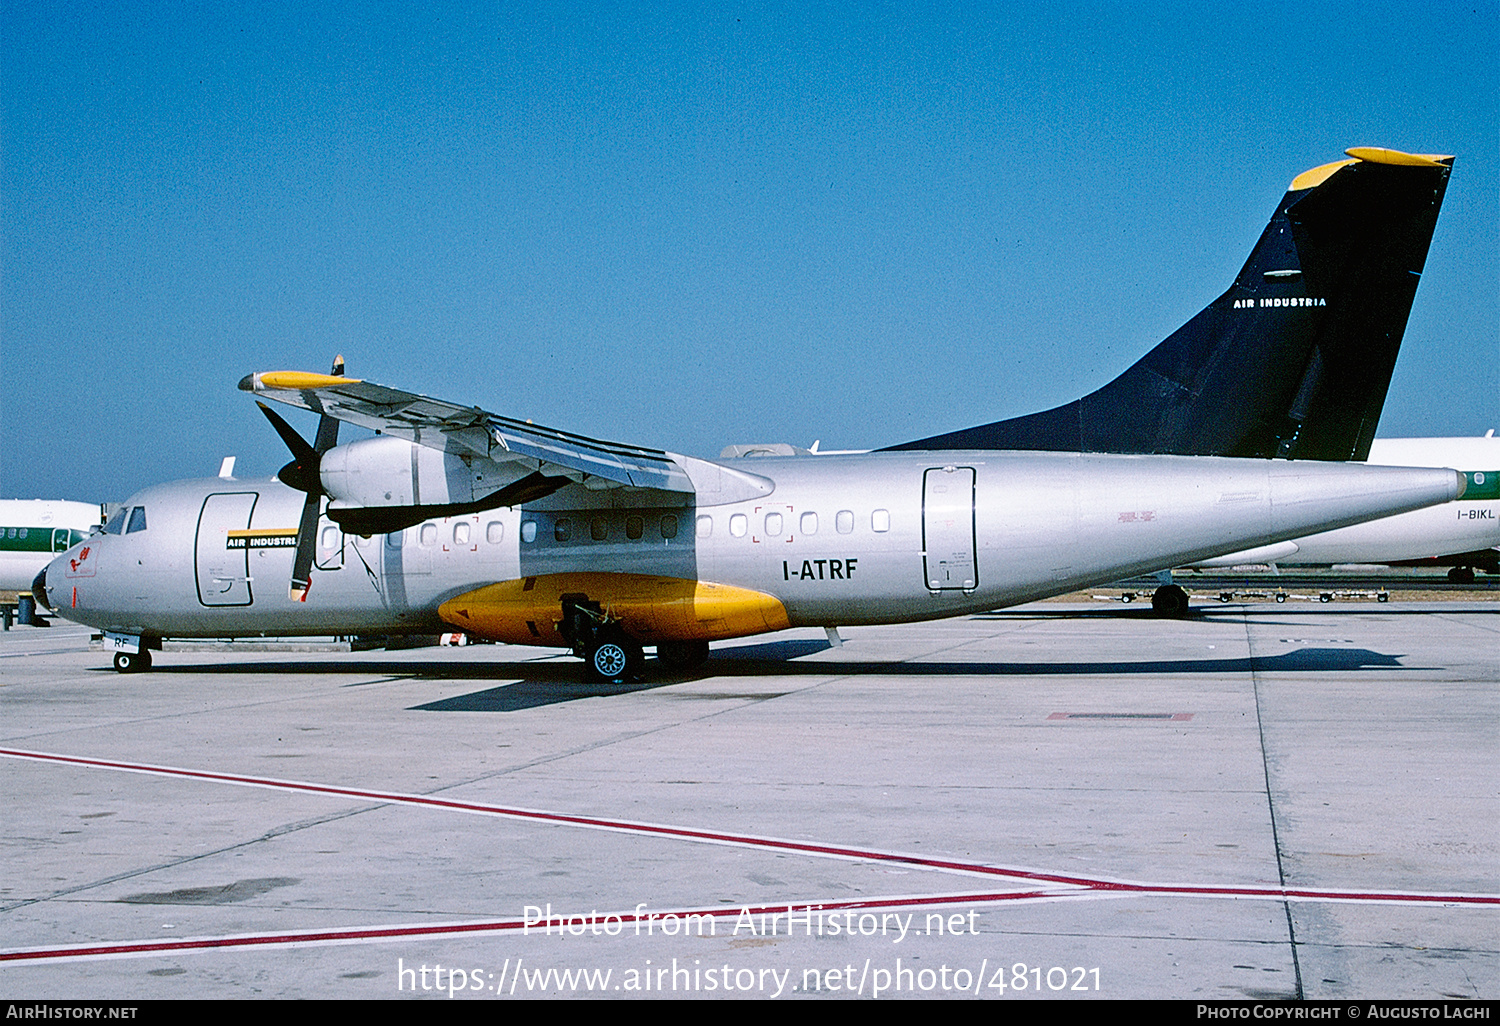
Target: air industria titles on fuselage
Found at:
x=1230, y=434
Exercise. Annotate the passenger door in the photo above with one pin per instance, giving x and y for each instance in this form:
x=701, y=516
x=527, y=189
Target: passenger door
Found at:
x=223, y=563
x=948, y=529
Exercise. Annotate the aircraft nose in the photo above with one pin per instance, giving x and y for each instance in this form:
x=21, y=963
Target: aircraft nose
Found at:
x=39, y=589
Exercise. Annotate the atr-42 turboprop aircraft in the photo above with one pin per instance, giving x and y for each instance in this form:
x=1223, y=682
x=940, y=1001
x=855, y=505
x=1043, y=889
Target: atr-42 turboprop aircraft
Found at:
x=452, y=517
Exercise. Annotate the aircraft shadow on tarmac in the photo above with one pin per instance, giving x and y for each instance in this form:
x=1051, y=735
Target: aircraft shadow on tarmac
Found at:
x=543, y=684
x=1303, y=660
x=775, y=660
x=1235, y=611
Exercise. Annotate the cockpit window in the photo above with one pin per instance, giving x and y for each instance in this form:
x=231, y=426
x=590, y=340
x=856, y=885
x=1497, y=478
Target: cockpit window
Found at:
x=137, y=520
x=116, y=523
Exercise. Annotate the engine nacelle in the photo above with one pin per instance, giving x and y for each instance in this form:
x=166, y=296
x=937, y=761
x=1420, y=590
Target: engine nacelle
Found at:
x=388, y=471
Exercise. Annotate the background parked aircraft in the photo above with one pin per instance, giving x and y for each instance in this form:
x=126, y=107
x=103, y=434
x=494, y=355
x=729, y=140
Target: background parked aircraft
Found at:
x=1464, y=534
x=33, y=531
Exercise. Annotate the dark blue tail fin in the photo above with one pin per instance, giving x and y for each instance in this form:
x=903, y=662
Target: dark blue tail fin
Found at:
x=1295, y=359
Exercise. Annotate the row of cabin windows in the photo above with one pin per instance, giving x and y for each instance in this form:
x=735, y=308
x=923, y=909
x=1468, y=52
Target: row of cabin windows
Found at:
x=494, y=532
x=39, y=539
x=635, y=528
x=774, y=525
x=464, y=533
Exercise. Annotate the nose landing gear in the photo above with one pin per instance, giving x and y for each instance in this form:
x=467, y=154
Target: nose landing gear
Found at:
x=133, y=662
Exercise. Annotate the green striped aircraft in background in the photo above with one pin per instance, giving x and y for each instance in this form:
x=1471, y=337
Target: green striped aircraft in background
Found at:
x=32, y=531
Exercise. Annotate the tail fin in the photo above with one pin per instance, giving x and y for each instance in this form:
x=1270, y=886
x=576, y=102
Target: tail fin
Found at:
x=1295, y=359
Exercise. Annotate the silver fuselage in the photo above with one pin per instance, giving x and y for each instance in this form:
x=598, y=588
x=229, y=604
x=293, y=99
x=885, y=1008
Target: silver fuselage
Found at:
x=866, y=538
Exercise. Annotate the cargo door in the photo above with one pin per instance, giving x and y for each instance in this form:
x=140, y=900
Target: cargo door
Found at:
x=222, y=562
x=948, y=529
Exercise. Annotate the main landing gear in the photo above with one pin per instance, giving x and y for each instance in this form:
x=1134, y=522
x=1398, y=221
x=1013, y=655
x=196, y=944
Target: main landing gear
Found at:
x=1169, y=601
x=612, y=656
x=610, y=653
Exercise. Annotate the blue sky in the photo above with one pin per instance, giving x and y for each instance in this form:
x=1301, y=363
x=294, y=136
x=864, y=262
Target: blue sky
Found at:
x=684, y=225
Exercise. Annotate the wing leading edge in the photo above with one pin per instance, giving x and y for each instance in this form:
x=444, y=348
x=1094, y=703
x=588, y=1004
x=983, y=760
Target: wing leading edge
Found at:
x=468, y=431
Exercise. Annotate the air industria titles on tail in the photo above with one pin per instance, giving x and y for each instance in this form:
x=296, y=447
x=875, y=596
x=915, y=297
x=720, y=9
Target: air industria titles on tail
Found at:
x=1234, y=432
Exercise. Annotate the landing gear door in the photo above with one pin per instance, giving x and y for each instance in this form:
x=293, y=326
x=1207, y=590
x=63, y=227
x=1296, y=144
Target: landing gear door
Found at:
x=223, y=561
x=948, y=529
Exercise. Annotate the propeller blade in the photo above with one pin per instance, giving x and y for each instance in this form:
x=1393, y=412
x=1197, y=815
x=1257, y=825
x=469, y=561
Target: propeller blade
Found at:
x=303, y=473
x=303, y=452
x=302, y=560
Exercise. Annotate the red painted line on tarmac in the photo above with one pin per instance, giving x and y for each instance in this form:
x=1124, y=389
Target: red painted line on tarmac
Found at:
x=355, y=935
x=594, y=822
x=1077, y=885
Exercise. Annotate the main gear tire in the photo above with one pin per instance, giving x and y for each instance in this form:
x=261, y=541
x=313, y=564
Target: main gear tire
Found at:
x=1170, y=602
x=615, y=658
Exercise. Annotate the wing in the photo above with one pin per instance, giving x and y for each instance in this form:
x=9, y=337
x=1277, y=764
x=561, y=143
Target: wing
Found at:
x=470, y=431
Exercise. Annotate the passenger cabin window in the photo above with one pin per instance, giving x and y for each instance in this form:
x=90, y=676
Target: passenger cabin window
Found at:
x=635, y=527
x=705, y=526
x=598, y=529
x=528, y=531
x=844, y=522
x=330, y=537
x=461, y=533
x=494, y=532
x=137, y=520
x=428, y=535
x=880, y=520
x=563, y=529
x=394, y=539
x=773, y=525
x=739, y=524
x=809, y=523
x=669, y=526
